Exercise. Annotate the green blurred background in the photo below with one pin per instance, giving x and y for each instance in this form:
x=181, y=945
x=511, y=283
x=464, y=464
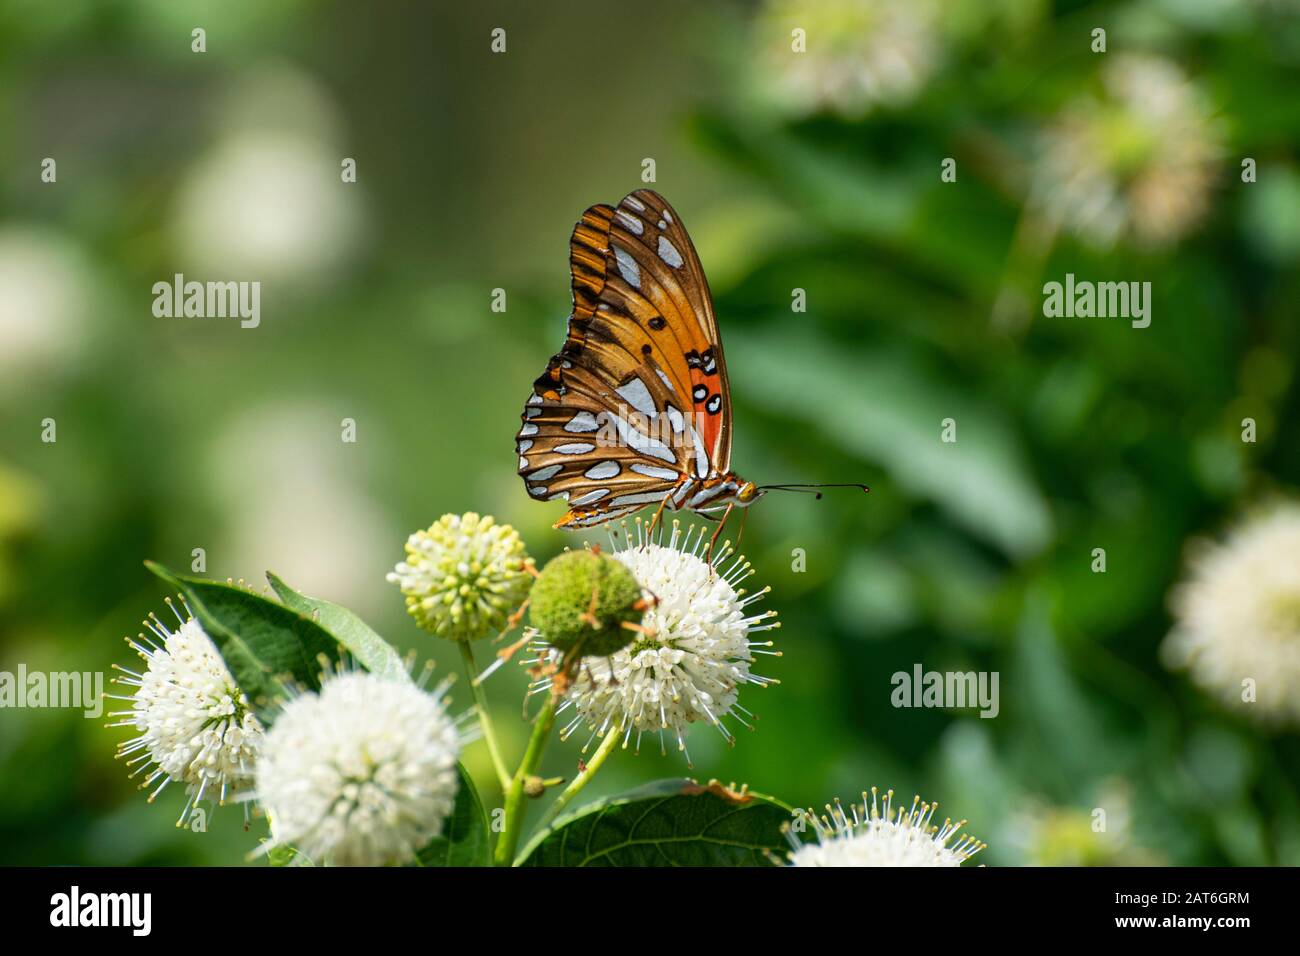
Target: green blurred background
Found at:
x=820, y=173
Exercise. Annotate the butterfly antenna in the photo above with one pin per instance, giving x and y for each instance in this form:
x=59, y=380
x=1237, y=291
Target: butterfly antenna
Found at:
x=812, y=489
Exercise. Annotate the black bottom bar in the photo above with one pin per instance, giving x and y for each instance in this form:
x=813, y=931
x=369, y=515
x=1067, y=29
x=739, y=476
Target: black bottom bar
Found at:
x=238, y=907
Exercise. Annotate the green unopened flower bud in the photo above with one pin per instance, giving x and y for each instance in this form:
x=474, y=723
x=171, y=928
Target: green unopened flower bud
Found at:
x=582, y=600
x=464, y=576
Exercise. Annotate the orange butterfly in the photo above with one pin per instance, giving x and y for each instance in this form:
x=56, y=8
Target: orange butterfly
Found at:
x=634, y=410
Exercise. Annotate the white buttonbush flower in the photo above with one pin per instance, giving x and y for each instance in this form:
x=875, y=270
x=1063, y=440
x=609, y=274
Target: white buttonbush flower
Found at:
x=1237, y=617
x=361, y=774
x=693, y=655
x=858, y=55
x=1136, y=162
x=874, y=834
x=464, y=576
x=195, y=725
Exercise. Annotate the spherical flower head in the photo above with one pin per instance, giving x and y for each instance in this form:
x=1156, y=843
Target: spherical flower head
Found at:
x=361, y=774
x=1136, y=161
x=874, y=834
x=581, y=601
x=857, y=56
x=1237, y=617
x=195, y=725
x=695, y=651
x=464, y=576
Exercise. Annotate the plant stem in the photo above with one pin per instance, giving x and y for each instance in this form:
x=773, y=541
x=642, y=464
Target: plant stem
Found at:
x=607, y=745
x=484, y=719
x=505, y=851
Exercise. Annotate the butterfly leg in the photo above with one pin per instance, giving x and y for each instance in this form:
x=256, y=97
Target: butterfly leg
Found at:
x=658, y=511
x=721, y=524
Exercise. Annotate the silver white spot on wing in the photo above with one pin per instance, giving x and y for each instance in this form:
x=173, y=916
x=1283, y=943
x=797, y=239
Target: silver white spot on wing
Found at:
x=528, y=429
x=654, y=471
x=642, y=443
x=542, y=474
x=603, y=470
x=665, y=379
x=642, y=498
x=562, y=496
x=668, y=215
x=590, y=497
x=575, y=448
x=523, y=463
x=581, y=422
x=532, y=411
x=634, y=203
x=675, y=419
x=534, y=399
x=662, y=224
x=524, y=445
x=632, y=224
x=668, y=252
x=627, y=267
x=701, y=457
x=637, y=395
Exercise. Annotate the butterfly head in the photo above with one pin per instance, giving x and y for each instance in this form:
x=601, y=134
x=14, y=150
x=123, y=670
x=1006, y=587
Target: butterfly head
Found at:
x=748, y=493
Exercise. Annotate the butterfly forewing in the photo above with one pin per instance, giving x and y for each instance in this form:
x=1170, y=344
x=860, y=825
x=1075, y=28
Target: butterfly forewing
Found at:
x=636, y=400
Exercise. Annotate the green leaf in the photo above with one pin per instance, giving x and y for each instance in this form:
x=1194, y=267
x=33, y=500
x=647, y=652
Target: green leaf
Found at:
x=667, y=823
x=466, y=841
x=262, y=642
x=370, y=650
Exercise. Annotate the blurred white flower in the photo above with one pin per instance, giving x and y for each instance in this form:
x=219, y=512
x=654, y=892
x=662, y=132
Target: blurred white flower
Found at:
x=873, y=834
x=294, y=500
x=195, y=724
x=1138, y=161
x=696, y=651
x=859, y=53
x=1237, y=617
x=44, y=301
x=266, y=206
x=361, y=774
x=463, y=576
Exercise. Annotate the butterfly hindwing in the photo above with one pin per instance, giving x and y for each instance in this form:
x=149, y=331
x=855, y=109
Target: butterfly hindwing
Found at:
x=636, y=400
